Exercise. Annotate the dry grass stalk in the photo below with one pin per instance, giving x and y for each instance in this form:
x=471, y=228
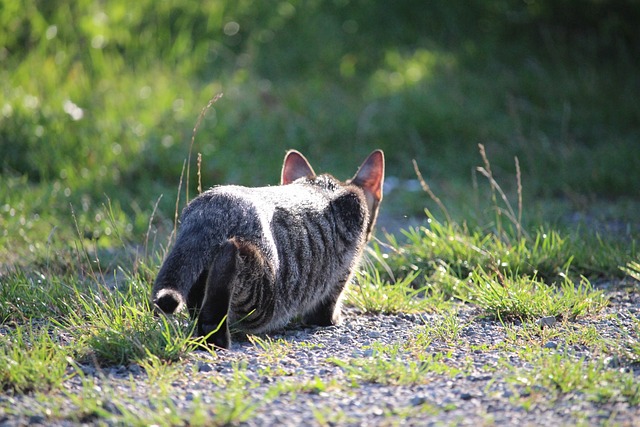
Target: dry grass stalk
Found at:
x=193, y=136
x=199, y=173
x=496, y=189
x=176, y=213
x=427, y=189
x=146, y=237
x=519, y=183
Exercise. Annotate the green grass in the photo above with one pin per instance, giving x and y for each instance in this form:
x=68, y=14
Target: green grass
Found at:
x=526, y=298
x=446, y=329
x=99, y=401
x=372, y=294
x=23, y=297
x=392, y=365
x=95, y=132
x=88, y=110
x=558, y=375
x=509, y=274
x=32, y=360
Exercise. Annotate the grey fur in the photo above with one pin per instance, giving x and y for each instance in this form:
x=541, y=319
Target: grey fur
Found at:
x=262, y=256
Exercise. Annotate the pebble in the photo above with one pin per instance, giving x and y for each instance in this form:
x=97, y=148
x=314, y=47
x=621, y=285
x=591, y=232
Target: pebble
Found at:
x=547, y=321
x=135, y=369
x=203, y=366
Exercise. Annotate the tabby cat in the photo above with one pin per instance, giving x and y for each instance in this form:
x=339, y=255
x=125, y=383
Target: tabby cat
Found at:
x=255, y=258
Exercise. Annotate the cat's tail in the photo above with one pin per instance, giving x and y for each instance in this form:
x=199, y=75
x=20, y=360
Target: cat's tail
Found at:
x=180, y=281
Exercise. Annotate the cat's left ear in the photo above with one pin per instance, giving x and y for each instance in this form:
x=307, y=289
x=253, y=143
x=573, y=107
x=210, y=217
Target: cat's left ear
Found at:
x=370, y=177
x=295, y=166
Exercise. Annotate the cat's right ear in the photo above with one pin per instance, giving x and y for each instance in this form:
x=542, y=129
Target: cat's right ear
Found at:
x=370, y=176
x=295, y=166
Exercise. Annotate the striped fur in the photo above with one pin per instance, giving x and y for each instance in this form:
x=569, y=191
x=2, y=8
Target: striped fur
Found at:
x=257, y=257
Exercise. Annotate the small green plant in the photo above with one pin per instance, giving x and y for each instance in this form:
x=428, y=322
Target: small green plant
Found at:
x=373, y=294
x=396, y=415
x=560, y=374
x=632, y=269
x=161, y=374
x=525, y=298
x=445, y=328
x=527, y=336
x=32, y=359
x=315, y=385
x=117, y=327
x=392, y=365
x=272, y=350
x=234, y=404
x=327, y=416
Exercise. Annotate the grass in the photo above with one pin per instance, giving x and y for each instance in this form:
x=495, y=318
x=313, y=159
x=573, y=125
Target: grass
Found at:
x=123, y=330
x=526, y=298
x=32, y=360
x=447, y=329
x=390, y=365
x=431, y=93
x=509, y=274
x=96, y=127
x=372, y=294
x=558, y=375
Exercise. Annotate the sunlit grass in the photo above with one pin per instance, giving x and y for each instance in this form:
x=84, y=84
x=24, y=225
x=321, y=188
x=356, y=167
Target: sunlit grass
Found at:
x=559, y=374
x=373, y=294
x=392, y=365
x=526, y=298
x=25, y=297
x=97, y=111
x=118, y=327
x=32, y=358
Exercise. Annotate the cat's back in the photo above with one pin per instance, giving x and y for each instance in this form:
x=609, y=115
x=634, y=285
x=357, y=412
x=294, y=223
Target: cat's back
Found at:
x=234, y=200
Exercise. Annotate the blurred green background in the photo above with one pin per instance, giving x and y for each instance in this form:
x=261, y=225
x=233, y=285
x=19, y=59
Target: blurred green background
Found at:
x=99, y=99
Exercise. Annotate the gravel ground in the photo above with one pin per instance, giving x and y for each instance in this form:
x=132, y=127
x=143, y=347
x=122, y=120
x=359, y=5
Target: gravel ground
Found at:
x=482, y=395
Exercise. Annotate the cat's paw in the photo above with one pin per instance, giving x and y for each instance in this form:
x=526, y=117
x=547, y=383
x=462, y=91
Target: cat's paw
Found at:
x=323, y=318
x=215, y=334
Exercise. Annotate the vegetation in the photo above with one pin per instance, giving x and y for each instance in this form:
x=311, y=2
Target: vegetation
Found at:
x=98, y=153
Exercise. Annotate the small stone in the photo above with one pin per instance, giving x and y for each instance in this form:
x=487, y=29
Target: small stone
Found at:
x=469, y=395
x=612, y=362
x=547, y=321
x=36, y=420
x=135, y=369
x=344, y=340
x=551, y=344
x=418, y=400
x=203, y=366
x=479, y=377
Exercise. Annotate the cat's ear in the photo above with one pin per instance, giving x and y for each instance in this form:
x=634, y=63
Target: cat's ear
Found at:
x=295, y=166
x=370, y=176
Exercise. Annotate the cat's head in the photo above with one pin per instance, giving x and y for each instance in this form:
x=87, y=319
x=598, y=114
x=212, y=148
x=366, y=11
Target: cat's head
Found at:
x=369, y=178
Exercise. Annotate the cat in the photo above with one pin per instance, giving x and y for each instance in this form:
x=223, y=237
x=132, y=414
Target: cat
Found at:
x=256, y=258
